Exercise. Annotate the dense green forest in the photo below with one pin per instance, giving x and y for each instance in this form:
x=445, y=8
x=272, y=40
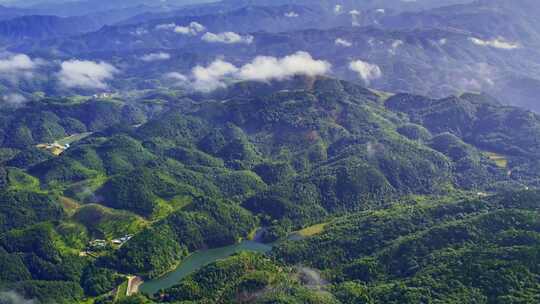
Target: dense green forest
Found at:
x=417, y=200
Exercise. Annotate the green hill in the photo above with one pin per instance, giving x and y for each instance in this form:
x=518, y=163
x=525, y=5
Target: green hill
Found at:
x=410, y=190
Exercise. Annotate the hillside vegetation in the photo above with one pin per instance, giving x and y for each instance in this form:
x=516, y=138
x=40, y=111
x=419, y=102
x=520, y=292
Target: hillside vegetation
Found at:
x=400, y=198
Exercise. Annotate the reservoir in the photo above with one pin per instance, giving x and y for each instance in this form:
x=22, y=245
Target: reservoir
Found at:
x=198, y=260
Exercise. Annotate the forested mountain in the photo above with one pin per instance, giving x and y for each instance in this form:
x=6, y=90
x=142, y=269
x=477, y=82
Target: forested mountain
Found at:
x=253, y=151
x=483, y=46
x=84, y=7
x=206, y=170
x=42, y=27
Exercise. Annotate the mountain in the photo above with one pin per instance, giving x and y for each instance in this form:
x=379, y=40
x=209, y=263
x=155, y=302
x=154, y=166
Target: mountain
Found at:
x=44, y=27
x=338, y=10
x=10, y=12
x=480, y=46
x=84, y=7
x=201, y=171
x=404, y=254
x=24, y=25
x=258, y=152
x=451, y=63
x=487, y=19
x=347, y=5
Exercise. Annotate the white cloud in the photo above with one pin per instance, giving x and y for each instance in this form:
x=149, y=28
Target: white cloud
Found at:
x=168, y=26
x=193, y=29
x=140, y=31
x=156, y=57
x=367, y=71
x=227, y=38
x=381, y=11
x=355, y=15
x=342, y=42
x=86, y=74
x=264, y=68
x=213, y=76
x=177, y=78
x=395, y=45
x=292, y=15
x=261, y=68
x=197, y=27
x=476, y=77
x=11, y=297
x=498, y=43
x=18, y=66
x=13, y=99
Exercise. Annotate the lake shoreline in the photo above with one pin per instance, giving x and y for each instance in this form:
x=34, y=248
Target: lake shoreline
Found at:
x=196, y=261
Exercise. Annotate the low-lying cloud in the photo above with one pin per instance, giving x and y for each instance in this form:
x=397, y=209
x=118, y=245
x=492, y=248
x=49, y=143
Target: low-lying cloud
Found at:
x=227, y=38
x=264, y=68
x=213, y=76
x=396, y=44
x=18, y=66
x=13, y=100
x=192, y=29
x=311, y=277
x=156, y=57
x=140, y=32
x=355, y=16
x=291, y=14
x=365, y=70
x=498, y=43
x=476, y=77
x=85, y=74
x=11, y=297
x=342, y=42
x=261, y=69
x=177, y=77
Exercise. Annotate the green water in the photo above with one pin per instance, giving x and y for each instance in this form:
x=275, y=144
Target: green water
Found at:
x=196, y=261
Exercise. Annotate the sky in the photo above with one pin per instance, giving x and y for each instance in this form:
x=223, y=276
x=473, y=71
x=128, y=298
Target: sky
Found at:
x=27, y=3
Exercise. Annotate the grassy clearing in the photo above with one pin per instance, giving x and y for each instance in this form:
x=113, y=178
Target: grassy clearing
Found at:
x=121, y=291
x=108, y=223
x=312, y=230
x=383, y=96
x=72, y=237
x=166, y=207
x=69, y=205
x=67, y=244
x=500, y=160
x=19, y=180
x=59, y=146
x=87, y=301
x=85, y=191
x=253, y=233
x=73, y=138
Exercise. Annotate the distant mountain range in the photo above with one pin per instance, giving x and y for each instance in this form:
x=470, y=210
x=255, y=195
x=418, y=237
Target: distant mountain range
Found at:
x=489, y=46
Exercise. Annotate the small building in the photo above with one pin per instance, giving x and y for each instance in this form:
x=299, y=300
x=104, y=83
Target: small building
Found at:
x=122, y=240
x=98, y=243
